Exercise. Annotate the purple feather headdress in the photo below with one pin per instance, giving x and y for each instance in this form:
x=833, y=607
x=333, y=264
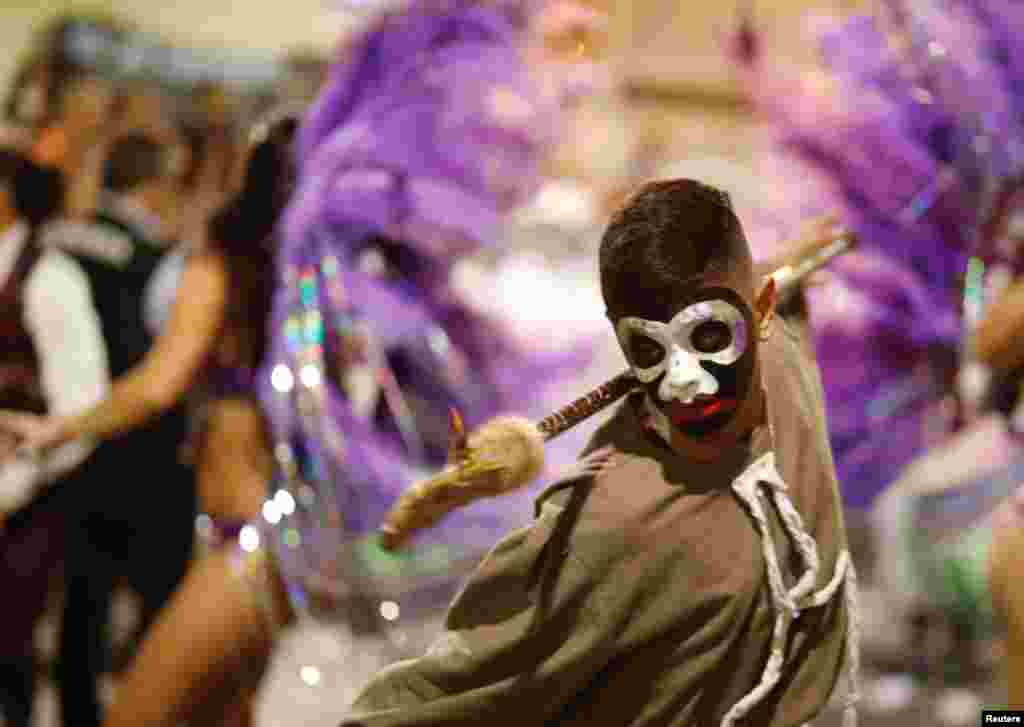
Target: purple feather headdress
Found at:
x=430, y=128
x=908, y=133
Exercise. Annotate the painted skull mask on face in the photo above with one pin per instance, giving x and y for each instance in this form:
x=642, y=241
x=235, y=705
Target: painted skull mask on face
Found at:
x=698, y=365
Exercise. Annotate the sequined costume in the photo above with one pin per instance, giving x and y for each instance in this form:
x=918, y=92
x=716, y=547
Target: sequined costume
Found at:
x=219, y=383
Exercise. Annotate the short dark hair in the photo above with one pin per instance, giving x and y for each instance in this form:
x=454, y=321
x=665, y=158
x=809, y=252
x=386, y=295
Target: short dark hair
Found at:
x=133, y=160
x=37, y=192
x=668, y=231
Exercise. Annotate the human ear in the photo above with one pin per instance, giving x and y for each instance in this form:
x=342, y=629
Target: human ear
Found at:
x=764, y=307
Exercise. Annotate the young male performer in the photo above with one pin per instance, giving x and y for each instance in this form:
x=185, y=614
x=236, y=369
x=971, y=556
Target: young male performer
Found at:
x=693, y=570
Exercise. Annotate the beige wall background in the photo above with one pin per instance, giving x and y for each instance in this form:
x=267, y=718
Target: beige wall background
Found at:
x=671, y=42
x=669, y=51
x=18, y=19
x=679, y=43
x=246, y=25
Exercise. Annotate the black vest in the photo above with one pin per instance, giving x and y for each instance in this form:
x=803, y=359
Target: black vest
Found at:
x=151, y=452
x=118, y=294
x=20, y=388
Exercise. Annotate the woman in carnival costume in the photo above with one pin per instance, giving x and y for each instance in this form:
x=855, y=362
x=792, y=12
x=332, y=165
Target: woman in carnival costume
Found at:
x=913, y=130
x=430, y=129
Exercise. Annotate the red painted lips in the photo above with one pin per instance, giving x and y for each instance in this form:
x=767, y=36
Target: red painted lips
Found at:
x=703, y=407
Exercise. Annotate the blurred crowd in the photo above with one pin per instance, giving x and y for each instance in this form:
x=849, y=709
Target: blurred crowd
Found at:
x=66, y=112
x=110, y=180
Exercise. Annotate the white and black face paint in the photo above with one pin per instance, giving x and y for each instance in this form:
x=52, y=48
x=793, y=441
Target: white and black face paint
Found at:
x=703, y=351
x=711, y=331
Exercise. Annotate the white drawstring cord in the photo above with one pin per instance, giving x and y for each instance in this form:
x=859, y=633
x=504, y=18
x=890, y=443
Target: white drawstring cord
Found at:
x=790, y=603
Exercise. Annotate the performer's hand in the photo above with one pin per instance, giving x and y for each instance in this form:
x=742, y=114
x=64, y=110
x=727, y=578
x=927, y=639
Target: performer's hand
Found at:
x=815, y=236
x=818, y=235
x=34, y=434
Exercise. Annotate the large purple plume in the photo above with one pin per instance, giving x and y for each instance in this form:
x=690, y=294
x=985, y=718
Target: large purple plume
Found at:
x=430, y=128
x=908, y=132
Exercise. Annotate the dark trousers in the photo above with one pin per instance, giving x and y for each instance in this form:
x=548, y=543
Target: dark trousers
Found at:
x=17, y=691
x=29, y=559
x=150, y=552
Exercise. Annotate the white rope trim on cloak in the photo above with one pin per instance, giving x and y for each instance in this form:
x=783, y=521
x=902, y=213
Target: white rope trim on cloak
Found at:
x=790, y=603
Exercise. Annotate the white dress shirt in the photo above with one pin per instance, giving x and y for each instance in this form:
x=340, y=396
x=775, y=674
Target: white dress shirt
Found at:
x=163, y=288
x=65, y=330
